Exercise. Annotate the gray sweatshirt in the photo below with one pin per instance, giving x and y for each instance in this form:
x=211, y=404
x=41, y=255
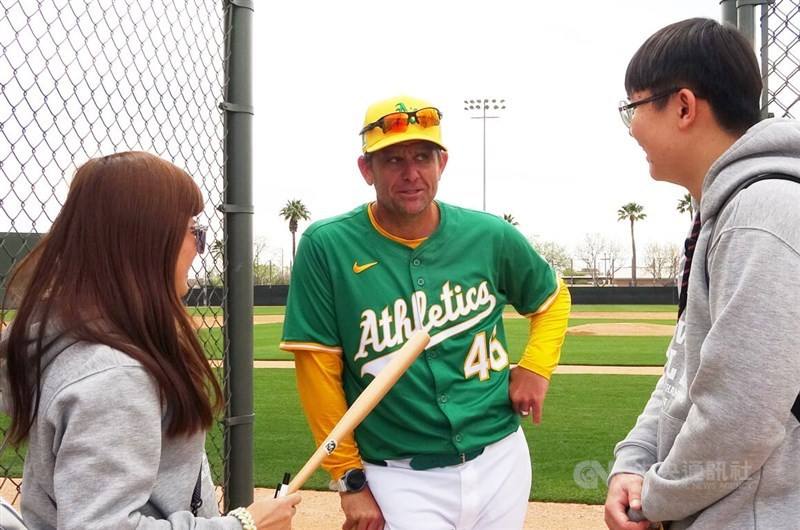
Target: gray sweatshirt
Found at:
x=97, y=454
x=717, y=444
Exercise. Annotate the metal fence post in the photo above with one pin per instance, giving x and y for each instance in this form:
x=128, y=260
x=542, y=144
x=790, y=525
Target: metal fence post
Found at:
x=729, y=12
x=238, y=210
x=765, y=113
x=747, y=19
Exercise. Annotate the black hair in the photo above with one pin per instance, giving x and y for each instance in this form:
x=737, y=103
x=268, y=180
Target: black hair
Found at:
x=715, y=61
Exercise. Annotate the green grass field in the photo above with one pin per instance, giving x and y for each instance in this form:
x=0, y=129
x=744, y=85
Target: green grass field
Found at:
x=615, y=351
x=280, y=310
x=12, y=457
x=585, y=415
x=593, y=350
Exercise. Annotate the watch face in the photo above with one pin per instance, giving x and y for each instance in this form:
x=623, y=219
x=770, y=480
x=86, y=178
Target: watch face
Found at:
x=355, y=479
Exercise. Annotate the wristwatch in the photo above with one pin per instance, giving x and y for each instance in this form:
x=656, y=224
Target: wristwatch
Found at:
x=353, y=480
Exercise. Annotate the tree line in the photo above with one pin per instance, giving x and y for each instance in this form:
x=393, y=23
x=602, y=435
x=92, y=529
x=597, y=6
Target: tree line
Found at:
x=602, y=257
x=605, y=258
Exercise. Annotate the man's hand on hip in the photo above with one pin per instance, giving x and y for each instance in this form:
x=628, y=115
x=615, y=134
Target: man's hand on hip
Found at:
x=527, y=391
x=361, y=512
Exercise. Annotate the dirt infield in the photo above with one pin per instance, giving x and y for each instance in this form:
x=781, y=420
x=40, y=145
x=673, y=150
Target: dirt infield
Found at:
x=627, y=315
x=320, y=510
x=623, y=329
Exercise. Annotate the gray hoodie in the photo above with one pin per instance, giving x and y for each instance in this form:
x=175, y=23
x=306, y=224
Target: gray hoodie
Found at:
x=717, y=444
x=97, y=454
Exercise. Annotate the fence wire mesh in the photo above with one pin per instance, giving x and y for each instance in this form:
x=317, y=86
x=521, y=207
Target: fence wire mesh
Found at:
x=86, y=79
x=783, y=58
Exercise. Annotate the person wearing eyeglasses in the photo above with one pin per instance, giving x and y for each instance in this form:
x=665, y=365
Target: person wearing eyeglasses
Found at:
x=444, y=448
x=106, y=379
x=717, y=444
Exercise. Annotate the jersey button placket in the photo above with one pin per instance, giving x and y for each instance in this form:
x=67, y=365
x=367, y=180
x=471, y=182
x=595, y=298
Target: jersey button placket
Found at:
x=416, y=263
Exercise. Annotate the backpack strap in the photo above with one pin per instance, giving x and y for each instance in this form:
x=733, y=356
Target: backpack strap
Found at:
x=752, y=180
x=746, y=184
x=796, y=407
x=197, y=498
x=743, y=185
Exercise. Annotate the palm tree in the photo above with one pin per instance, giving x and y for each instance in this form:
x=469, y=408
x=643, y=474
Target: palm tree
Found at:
x=293, y=212
x=632, y=212
x=217, y=249
x=510, y=219
x=685, y=205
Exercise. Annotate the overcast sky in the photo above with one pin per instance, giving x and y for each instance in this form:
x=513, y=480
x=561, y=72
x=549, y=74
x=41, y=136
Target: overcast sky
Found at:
x=558, y=158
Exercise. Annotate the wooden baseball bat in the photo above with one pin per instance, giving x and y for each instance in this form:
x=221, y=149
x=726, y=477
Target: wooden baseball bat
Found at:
x=363, y=405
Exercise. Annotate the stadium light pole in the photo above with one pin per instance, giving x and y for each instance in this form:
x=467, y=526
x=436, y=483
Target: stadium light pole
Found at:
x=479, y=107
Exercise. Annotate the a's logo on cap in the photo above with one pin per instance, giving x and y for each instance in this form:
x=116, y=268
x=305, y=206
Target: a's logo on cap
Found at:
x=401, y=107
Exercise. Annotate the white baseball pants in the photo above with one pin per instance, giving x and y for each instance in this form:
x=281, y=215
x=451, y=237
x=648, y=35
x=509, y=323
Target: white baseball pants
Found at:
x=489, y=492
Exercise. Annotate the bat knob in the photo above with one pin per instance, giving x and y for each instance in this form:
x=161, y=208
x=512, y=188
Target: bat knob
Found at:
x=636, y=515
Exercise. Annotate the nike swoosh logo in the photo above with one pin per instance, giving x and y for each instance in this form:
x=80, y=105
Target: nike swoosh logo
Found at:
x=358, y=269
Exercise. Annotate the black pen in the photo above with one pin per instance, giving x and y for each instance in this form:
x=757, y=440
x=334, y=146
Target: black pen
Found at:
x=280, y=489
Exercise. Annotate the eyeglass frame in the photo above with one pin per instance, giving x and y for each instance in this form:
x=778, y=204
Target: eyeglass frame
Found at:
x=410, y=113
x=199, y=232
x=626, y=105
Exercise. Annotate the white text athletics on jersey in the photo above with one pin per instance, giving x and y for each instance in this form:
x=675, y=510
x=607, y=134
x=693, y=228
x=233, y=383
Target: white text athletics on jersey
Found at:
x=394, y=326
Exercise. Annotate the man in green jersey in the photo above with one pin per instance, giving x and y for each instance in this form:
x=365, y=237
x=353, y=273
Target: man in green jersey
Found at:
x=444, y=448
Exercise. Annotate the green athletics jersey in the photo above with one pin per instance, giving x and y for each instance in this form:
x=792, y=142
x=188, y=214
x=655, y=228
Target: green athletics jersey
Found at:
x=358, y=292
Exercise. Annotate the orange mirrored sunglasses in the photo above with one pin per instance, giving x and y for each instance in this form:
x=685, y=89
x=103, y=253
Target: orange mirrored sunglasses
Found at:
x=397, y=122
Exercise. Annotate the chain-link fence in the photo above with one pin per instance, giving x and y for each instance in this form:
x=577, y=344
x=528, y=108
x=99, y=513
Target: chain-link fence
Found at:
x=781, y=30
x=85, y=79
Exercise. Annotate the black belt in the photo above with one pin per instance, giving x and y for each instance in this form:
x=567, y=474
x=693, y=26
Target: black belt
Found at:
x=423, y=462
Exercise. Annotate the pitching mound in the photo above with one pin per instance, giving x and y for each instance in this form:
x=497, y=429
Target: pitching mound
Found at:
x=623, y=329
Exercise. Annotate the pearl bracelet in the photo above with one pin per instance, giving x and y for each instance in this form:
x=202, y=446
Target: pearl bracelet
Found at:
x=244, y=517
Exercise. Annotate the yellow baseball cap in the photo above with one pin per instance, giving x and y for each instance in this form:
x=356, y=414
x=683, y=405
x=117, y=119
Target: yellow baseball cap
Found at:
x=408, y=126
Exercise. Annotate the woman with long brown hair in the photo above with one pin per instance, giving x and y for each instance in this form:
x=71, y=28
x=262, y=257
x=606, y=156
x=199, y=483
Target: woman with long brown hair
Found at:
x=107, y=381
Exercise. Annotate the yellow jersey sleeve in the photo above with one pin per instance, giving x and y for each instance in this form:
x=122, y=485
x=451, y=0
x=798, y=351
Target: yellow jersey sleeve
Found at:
x=319, y=383
x=546, y=336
